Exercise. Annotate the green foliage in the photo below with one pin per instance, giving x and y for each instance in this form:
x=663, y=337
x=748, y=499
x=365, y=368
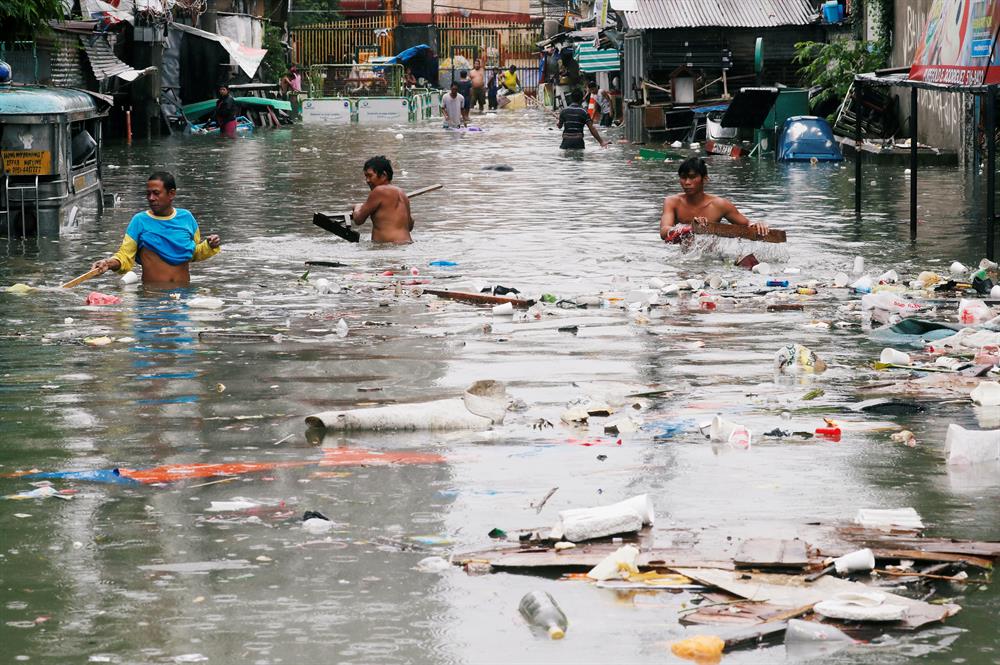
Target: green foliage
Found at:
x=23, y=19
x=305, y=12
x=273, y=67
x=834, y=65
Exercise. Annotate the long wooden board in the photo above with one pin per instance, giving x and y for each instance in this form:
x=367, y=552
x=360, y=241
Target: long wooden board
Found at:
x=480, y=298
x=734, y=231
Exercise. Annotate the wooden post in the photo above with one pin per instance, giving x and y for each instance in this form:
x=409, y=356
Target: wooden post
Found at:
x=991, y=167
x=857, y=149
x=913, y=163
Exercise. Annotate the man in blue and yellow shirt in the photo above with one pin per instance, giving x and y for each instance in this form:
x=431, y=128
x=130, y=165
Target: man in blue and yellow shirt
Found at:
x=163, y=239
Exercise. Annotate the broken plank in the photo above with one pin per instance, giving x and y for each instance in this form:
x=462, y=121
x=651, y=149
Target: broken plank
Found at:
x=479, y=298
x=772, y=553
x=791, y=591
x=587, y=556
x=921, y=555
x=737, y=231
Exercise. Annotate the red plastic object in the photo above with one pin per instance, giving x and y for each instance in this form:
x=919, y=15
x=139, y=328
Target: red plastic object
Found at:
x=677, y=234
x=95, y=298
x=832, y=433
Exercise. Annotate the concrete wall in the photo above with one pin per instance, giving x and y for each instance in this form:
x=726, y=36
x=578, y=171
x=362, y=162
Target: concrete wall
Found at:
x=942, y=115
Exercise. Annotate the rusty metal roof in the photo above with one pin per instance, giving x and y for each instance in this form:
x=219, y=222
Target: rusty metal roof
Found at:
x=667, y=14
x=103, y=60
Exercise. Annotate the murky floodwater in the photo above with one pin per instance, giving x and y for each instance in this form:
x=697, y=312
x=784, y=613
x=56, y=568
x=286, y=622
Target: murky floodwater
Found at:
x=73, y=582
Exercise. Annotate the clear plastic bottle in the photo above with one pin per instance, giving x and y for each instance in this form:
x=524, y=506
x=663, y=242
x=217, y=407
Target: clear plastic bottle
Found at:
x=539, y=609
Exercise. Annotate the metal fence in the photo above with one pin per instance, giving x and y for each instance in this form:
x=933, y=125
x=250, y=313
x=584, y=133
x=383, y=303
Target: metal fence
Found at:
x=350, y=40
x=498, y=44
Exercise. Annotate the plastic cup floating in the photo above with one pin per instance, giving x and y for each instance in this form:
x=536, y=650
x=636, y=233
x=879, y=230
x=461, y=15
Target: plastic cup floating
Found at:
x=858, y=561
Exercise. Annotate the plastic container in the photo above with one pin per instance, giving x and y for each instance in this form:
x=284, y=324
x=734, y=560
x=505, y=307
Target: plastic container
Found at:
x=894, y=357
x=777, y=282
x=957, y=269
x=832, y=433
x=863, y=284
x=540, y=609
x=859, y=265
x=805, y=291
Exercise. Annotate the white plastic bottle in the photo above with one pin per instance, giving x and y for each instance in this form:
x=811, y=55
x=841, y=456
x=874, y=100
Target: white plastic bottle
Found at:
x=539, y=609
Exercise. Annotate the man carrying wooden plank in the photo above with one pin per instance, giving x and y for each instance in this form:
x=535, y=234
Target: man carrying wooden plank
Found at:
x=697, y=206
x=387, y=205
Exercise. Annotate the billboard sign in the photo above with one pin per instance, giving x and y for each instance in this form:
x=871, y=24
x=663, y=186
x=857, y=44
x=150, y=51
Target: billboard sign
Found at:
x=957, y=47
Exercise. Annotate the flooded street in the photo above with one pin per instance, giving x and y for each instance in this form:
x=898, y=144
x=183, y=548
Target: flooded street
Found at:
x=150, y=573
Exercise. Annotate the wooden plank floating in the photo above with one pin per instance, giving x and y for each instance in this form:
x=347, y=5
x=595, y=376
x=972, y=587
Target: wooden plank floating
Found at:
x=735, y=231
x=480, y=298
x=771, y=553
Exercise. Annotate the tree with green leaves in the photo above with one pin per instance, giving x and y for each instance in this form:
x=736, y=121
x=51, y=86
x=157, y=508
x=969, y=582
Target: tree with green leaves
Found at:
x=23, y=19
x=306, y=12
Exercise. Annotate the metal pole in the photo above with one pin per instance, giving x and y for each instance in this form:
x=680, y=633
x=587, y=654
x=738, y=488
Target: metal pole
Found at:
x=913, y=163
x=991, y=167
x=857, y=150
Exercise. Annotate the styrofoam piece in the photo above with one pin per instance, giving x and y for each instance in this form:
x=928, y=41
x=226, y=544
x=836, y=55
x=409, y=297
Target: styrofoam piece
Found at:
x=967, y=447
x=670, y=289
x=995, y=292
x=129, y=278
x=813, y=631
x=841, y=279
x=853, y=562
x=859, y=265
x=232, y=506
x=317, y=525
x=487, y=399
x=761, y=269
x=860, y=606
x=617, y=565
x=445, y=414
x=506, y=309
x=888, y=518
x=987, y=393
x=205, y=302
x=656, y=283
x=957, y=269
x=577, y=524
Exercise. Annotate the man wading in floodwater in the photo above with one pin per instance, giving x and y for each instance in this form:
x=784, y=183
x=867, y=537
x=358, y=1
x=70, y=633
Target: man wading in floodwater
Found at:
x=695, y=205
x=163, y=239
x=387, y=205
x=572, y=120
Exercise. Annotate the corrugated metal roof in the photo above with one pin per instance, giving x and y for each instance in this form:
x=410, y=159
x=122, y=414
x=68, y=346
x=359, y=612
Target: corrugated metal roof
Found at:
x=666, y=14
x=103, y=60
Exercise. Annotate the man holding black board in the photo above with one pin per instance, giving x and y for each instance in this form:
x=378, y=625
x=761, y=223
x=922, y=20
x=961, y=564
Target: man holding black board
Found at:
x=387, y=205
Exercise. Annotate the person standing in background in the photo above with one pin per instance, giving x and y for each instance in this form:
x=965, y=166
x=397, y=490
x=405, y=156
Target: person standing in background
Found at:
x=226, y=111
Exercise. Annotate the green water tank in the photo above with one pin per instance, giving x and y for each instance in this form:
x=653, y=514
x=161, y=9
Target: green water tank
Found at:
x=790, y=102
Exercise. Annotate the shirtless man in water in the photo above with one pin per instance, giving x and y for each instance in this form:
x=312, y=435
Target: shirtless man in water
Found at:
x=695, y=205
x=387, y=205
x=478, y=77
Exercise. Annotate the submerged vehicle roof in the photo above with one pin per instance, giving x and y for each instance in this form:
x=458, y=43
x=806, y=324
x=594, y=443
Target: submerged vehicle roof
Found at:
x=32, y=103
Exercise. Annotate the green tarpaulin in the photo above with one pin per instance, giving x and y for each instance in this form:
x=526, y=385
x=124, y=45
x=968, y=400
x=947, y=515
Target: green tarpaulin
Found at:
x=593, y=60
x=198, y=109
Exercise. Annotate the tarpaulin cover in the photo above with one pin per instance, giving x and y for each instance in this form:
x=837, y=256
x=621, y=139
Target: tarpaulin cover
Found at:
x=594, y=60
x=247, y=57
x=957, y=46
